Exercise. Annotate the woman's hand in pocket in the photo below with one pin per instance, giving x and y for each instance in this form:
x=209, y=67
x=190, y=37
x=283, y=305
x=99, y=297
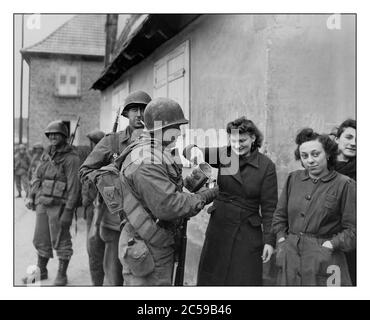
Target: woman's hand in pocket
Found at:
x=328, y=245
x=267, y=253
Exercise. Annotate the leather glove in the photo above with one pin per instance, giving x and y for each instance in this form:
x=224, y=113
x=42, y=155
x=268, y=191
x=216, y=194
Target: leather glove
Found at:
x=30, y=204
x=209, y=195
x=66, y=218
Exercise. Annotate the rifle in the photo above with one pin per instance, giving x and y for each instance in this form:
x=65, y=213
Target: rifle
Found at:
x=97, y=217
x=115, y=125
x=181, y=255
x=73, y=135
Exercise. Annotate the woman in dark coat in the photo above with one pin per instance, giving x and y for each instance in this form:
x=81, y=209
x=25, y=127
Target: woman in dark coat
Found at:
x=238, y=238
x=315, y=218
x=346, y=164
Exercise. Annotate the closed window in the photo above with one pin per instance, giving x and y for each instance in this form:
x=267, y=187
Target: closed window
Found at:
x=171, y=80
x=171, y=77
x=68, y=81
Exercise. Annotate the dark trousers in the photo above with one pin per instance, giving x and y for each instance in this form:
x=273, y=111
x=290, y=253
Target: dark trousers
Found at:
x=21, y=181
x=112, y=265
x=46, y=233
x=352, y=265
x=95, y=250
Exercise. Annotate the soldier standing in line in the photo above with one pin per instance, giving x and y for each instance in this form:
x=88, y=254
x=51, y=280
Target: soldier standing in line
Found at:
x=21, y=166
x=55, y=191
x=37, y=151
x=104, y=153
x=95, y=245
x=153, y=201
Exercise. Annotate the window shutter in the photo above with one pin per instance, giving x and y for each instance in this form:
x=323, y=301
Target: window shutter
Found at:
x=171, y=80
x=68, y=81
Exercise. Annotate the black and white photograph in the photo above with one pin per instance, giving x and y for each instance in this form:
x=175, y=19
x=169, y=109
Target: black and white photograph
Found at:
x=185, y=150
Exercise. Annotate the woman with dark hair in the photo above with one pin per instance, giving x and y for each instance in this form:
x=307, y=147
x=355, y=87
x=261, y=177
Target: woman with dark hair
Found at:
x=346, y=140
x=315, y=217
x=346, y=164
x=236, y=245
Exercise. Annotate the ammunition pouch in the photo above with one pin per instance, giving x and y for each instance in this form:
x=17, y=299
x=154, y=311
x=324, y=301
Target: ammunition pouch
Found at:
x=137, y=257
x=47, y=187
x=59, y=188
x=52, y=192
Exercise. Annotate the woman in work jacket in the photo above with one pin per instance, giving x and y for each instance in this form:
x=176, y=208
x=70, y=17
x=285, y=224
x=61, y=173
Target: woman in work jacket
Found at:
x=315, y=217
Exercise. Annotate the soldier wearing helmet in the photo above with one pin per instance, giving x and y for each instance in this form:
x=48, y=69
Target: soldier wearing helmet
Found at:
x=54, y=191
x=21, y=166
x=104, y=153
x=154, y=203
x=95, y=245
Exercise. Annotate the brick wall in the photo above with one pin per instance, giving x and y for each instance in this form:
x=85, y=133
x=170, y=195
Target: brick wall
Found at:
x=45, y=106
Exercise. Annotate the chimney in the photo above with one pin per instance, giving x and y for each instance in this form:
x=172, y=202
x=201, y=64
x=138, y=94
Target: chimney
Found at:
x=111, y=34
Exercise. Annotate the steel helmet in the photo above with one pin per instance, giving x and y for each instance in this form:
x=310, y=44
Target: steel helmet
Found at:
x=136, y=97
x=165, y=111
x=38, y=145
x=21, y=146
x=95, y=136
x=56, y=126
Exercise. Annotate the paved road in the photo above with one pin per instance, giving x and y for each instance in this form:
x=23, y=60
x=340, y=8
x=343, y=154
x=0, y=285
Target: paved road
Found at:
x=25, y=254
x=78, y=271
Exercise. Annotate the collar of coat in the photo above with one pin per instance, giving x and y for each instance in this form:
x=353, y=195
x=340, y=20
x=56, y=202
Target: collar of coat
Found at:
x=50, y=154
x=61, y=149
x=126, y=134
x=227, y=157
x=252, y=159
x=330, y=176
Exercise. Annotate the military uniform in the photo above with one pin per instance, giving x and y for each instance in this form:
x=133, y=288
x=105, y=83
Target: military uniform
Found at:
x=154, y=181
x=21, y=166
x=154, y=205
x=102, y=155
x=55, y=188
x=34, y=162
x=94, y=243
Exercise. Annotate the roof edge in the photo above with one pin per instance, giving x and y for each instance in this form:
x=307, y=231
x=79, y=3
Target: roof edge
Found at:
x=47, y=37
x=123, y=60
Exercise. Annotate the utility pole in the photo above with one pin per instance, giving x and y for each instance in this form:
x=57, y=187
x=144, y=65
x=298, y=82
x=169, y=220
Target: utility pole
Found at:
x=21, y=88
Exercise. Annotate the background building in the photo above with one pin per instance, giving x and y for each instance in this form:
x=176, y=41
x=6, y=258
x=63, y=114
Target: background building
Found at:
x=284, y=72
x=63, y=67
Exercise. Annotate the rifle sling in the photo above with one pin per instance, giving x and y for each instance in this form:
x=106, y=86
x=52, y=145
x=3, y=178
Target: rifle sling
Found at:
x=115, y=144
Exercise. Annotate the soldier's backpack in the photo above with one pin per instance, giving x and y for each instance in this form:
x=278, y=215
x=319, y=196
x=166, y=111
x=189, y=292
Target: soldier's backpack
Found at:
x=119, y=199
x=110, y=187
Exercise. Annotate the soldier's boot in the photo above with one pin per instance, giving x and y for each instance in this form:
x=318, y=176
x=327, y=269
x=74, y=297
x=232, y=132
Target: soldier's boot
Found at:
x=61, y=279
x=41, y=273
x=42, y=262
x=19, y=195
x=97, y=277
